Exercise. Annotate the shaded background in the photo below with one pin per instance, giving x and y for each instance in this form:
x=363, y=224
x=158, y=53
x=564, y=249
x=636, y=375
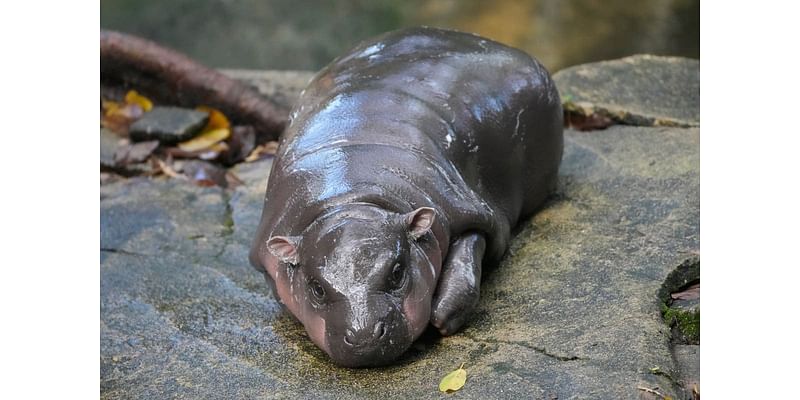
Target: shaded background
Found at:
x=307, y=34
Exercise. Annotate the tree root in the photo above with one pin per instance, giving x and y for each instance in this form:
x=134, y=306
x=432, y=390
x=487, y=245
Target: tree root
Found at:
x=170, y=76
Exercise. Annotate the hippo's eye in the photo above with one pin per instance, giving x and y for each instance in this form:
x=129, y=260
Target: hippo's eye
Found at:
x=398, y=275
x=316, y=289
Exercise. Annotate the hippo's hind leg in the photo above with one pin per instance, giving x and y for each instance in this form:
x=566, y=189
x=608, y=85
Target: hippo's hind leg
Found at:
x=459, y=286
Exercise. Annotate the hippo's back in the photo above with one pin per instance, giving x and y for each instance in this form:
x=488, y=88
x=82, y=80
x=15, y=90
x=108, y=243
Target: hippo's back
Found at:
x=492, y=110
x=450, y=119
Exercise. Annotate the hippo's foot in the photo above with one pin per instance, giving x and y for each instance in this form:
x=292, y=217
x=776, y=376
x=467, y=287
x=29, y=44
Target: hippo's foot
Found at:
x=459, y=286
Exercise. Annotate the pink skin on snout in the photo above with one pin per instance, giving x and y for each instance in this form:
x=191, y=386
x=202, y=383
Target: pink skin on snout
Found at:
x=417, y=305
x=314, y=324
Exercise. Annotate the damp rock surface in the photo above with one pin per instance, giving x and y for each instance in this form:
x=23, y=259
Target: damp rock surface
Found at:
x=283, y=87
x=642, y=90
x=571, y=312
x=109, y=143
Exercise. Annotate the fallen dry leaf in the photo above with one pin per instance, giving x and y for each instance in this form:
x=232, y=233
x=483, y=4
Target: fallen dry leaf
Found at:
x=586, y=122
x=216, y=119
x=691, y=293
x=262, y=150
x=255, y=154
x=167, y=170
x=118, y=117
x=454, y=380
x=205, y=140
x=133, y=97
x=108, y=105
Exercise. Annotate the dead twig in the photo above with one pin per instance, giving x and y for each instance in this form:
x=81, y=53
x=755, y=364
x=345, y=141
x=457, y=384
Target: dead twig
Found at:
x=167, y=170
x=655, y=392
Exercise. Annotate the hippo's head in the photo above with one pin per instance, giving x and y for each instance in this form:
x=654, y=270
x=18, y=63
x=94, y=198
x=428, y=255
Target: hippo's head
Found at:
x=359, y=280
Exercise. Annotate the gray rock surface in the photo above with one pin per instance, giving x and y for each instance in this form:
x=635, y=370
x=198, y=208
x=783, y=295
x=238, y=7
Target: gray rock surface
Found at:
x=109, y=143
x=119, y=156
x=572, y=311
x=283, y=87
x=642, y=90
x=687, y=357
x=168, y=124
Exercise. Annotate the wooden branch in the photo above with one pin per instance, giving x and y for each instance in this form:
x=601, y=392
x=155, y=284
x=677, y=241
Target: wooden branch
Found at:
x=168, y=75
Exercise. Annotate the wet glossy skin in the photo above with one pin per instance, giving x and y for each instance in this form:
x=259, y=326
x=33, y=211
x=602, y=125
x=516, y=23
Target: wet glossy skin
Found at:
x=405, y=165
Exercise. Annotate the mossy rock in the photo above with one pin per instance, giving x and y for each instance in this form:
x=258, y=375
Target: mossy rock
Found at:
x=686, y=324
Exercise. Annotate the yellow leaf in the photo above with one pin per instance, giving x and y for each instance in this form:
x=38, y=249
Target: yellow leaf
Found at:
x=133, y=97
x=213, y=151
x=218, y=147
x=109, y=106
x=216, y=119
x=205, y=140
x=454, y=380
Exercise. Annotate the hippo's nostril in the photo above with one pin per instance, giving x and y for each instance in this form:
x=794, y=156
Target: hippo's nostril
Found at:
x=348, y=337
x=380, y=330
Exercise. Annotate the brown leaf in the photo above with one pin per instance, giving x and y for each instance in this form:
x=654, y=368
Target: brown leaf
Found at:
x=119, y=117
x=690, y=293
x=586, y=122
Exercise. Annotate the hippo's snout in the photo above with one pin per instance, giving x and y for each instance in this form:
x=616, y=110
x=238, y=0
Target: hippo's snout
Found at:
x=377, y=339
x=365, y=337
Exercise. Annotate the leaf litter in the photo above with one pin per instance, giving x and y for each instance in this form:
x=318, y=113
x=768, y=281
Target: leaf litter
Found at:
x=219, y=142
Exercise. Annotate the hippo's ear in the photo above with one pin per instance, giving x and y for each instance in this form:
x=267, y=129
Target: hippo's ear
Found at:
x=284, y=247
x=419, y=221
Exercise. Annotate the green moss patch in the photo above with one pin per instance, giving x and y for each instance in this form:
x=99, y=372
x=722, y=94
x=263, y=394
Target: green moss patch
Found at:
x=685, y=322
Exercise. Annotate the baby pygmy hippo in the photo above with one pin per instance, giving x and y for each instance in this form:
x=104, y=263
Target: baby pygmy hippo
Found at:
x=405, y=165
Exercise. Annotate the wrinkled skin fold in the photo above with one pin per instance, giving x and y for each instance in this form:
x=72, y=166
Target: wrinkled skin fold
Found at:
x=405, y=165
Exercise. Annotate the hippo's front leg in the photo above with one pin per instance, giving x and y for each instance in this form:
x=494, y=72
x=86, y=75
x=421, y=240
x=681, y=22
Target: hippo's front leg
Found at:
x=459, y=286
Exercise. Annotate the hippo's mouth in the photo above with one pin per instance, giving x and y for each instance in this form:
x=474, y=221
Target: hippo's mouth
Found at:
x=383, y=351
x=369, y=357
